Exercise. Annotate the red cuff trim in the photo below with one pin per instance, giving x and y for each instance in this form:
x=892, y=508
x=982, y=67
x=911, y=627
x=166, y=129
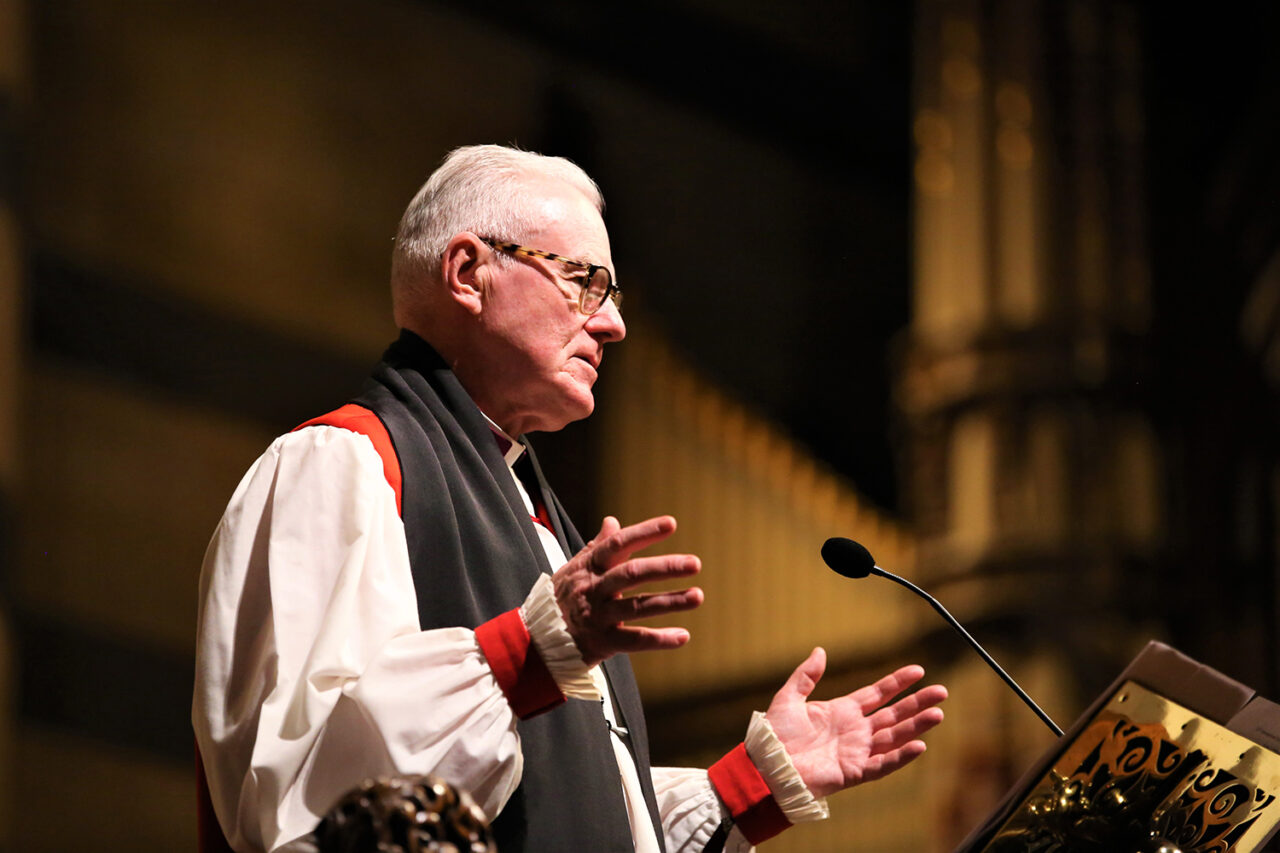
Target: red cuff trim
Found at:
x=747, y=796
x=521, y=673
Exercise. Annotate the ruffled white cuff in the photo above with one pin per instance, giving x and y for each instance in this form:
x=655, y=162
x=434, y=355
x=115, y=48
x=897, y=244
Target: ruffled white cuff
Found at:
x=551, y=638
x=692, y=811
x=770, y=757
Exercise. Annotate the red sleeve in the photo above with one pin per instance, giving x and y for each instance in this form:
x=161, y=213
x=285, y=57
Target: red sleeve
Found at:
x=523, y=676
x=747, y=796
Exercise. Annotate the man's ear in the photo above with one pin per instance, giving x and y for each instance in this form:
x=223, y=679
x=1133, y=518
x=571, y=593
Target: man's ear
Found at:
x=466, y=266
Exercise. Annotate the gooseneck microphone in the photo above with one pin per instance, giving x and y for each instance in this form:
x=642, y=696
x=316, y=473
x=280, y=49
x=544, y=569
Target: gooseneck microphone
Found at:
x=848, y=558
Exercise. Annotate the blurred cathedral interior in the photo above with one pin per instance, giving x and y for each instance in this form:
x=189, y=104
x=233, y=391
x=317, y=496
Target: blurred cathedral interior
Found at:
x=991, y=286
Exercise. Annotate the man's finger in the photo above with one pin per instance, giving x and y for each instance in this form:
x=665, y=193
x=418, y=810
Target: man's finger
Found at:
x=882, y=765
x=652, y=604
x=806, y=676
x=633, y=639
x=908, y=706
x=894, y=737
x=873, y=696
x=618, y=545
x=643, y=570
x=608, y=527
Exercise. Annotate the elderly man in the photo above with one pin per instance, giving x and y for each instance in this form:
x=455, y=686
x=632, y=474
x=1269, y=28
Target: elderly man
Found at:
x=394, y=589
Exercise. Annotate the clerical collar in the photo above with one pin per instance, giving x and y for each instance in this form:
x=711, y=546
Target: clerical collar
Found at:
x=510, y=448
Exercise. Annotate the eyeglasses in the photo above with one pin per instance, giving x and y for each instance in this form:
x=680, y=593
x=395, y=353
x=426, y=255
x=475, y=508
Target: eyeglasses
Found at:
x=598, y=286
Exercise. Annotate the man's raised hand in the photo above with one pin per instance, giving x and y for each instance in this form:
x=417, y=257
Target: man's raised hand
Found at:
x=589, y=589
x=853, y=738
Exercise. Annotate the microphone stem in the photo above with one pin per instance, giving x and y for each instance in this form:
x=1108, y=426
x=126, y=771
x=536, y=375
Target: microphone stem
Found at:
x=951, y=620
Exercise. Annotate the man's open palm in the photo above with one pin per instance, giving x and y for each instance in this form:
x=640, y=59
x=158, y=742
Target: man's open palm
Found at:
x=854, y=738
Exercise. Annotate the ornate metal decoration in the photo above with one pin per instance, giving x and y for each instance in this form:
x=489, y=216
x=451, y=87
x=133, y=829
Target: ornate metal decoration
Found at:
x=422, y=814
x=1146, y=775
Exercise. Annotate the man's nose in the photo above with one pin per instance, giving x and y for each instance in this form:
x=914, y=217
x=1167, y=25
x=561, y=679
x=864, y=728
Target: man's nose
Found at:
x=607, y=323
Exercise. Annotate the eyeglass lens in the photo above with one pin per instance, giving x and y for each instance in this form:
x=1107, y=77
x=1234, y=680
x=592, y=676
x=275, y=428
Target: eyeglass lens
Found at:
x=599, y=287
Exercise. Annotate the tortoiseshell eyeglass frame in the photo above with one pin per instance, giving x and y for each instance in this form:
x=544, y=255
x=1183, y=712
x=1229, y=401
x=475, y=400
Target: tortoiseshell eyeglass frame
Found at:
x=600, y=285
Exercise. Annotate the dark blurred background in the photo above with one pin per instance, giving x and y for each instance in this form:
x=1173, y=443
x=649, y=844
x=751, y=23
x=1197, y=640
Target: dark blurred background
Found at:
x=1008, y=272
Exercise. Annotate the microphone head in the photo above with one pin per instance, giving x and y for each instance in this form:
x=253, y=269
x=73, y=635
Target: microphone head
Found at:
x=848, y=558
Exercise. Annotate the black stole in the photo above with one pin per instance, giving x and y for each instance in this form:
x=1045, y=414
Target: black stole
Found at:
x=475, y=554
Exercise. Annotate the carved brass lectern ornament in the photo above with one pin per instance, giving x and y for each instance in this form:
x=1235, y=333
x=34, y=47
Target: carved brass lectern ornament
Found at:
x=1146, y=775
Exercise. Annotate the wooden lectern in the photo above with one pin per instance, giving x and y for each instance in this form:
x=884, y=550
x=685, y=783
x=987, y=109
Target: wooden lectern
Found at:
x=1173, y=756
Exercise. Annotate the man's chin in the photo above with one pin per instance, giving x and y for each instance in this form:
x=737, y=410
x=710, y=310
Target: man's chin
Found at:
x=579, y=409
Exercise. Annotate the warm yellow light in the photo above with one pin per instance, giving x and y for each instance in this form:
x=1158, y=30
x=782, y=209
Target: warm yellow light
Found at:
x=1013, y=103
x=932, y=131
x=934, y=174
x=961, y=77
x=1014, y=147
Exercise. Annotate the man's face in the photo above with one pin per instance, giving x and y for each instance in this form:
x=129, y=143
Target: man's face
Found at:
x=543, y=353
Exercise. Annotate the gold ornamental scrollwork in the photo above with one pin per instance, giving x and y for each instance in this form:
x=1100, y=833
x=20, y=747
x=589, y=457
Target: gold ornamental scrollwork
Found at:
x=1147, y=775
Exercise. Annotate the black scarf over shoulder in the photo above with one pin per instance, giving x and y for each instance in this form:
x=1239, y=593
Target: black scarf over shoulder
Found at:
x=474, y=555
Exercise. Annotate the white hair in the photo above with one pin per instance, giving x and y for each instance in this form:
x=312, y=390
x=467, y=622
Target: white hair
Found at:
x=477, y=188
